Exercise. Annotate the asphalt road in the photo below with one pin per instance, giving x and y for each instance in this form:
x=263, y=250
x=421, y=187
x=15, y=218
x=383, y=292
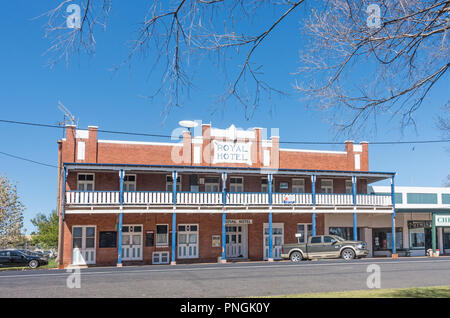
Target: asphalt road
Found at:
x=226, y=280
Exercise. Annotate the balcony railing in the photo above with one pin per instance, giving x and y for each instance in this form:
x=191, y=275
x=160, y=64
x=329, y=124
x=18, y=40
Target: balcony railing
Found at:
x=215, y=198
x=92, y=197
x=334, y=199
x=210, y=198
x=247, y=198
x=151, y=197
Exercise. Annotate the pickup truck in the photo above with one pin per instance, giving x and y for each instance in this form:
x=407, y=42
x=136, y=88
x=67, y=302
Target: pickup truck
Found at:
x=324, y=246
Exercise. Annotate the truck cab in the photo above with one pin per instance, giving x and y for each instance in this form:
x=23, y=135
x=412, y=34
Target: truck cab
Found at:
x=324, y=246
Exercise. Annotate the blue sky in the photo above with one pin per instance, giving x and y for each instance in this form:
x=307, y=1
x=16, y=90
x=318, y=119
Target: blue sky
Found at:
x=29, y=91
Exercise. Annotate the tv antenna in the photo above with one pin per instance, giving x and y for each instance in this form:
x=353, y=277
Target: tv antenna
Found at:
x=68, y=117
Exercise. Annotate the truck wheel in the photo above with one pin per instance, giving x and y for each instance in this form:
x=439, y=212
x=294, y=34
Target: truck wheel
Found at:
x=296, y=257
x=33, y=264
x=348, y=254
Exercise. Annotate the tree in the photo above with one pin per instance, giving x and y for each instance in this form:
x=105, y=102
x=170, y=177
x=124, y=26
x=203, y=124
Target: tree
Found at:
x=11, y=214
x=47, y=230
x=397, y=61
x=402, y=57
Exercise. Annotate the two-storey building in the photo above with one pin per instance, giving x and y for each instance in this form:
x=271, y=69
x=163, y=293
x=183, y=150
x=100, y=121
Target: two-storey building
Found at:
x=215, y=194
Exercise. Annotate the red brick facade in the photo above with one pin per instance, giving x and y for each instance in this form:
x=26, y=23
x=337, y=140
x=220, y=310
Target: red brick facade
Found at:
x=264, y=154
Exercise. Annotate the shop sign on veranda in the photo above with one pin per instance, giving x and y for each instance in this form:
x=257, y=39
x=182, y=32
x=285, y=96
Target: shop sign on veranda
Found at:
x=442, y=219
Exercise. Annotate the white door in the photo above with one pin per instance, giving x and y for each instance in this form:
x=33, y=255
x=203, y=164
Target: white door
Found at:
x=235, y=241
x=188, y=241
x=132, y=242
x=277, y=240
x=83, y=245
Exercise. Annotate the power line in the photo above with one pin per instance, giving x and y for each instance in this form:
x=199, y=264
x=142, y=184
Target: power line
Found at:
x=281, y=142
x=29, y=160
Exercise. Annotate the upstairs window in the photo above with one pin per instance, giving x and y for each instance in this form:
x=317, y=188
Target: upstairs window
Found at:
x=265, y=185
x=298, y=185
x=85, y=182
x=169, y=183
x=236, y=184
x=348, y=186
x=129, y=183
x=211, y=184
x=326, y=186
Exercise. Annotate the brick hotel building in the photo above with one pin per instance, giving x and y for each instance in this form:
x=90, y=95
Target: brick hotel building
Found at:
x=215, y=195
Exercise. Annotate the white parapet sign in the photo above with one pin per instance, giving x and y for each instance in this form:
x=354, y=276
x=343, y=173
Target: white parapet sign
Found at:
x=232, y=152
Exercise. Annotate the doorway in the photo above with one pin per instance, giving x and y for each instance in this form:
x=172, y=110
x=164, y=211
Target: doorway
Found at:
x=277, y=240
x=83, y=245
x=188, y=241
x=236, y=245
x=132, y=242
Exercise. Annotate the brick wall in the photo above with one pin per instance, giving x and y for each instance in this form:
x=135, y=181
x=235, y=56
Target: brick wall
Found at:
x=208, y=225
x=182, y=153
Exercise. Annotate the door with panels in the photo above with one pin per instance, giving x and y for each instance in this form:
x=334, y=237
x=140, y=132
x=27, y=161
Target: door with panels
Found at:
x=277, y=240
x=83, y=245
x=188, y=241
x=236, y=241
x=132, y=242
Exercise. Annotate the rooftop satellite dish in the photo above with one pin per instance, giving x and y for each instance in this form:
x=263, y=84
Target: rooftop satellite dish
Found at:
x=188, y=123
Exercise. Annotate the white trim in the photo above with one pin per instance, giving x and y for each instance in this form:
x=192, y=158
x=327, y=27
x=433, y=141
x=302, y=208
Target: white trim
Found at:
x=197, y=140
x=82, y=134
x=232, y=132
x=145, y=143
x=357, y=148
x=219, y=209
x=317, y=151
x=81, y=150
x=357, y=162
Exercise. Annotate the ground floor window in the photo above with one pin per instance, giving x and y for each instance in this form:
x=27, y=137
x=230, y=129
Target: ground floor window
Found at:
x=162, y=235
x=419, y=234
x=304, y=231
x=446, y=233
x=382, y=238
x=345, y=232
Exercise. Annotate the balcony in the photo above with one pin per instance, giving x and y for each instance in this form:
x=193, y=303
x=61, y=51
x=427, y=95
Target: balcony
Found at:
x=149, y=198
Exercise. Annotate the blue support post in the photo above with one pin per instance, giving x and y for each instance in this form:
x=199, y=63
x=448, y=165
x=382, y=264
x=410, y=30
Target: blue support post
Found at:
x=224, y=202
x=64, y=194
x=394, y=247
x=269, y=187
x=355, y=226
x=119, y=247
x=313, y=185
x=174, y=216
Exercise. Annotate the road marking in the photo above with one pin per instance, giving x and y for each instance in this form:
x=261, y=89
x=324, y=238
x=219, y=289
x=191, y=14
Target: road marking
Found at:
x=220, y=268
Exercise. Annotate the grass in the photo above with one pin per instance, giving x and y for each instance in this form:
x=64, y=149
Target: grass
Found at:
x=51, y=264
x=414, y=292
